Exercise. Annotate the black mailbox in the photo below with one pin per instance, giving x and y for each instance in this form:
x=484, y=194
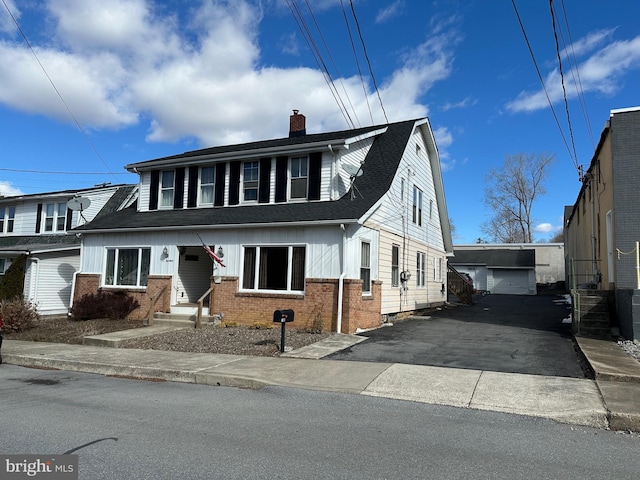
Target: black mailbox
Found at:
x=283, y=316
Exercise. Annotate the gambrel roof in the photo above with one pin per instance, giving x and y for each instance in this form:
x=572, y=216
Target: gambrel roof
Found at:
x=378, y=171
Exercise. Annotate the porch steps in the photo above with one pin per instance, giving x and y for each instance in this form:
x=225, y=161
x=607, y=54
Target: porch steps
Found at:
x=183, y=319
x=594, y=308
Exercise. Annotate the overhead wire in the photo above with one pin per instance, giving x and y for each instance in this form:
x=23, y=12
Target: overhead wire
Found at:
x=355, y=56
x=304, y=30
x=326, y=47
x=55, y=88
x=577, y=80
x=535, y=63
x=564, y=90
x=364, y=48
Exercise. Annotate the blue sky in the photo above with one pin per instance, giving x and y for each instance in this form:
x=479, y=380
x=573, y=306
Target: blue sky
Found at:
x=147, y=79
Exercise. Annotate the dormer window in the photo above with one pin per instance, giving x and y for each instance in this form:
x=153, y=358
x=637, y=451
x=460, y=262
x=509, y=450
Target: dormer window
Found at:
x=250, y=178
x=207, y=185
x=299, y=177
x=167, y=188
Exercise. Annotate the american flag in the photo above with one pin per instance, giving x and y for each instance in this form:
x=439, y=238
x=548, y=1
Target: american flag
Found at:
x=211, y=253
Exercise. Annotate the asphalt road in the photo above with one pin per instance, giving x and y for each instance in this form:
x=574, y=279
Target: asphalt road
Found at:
x=501, y=333
x=129, y=429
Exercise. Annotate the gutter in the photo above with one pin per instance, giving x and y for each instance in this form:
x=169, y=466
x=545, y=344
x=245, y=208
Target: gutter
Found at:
x=154, y=228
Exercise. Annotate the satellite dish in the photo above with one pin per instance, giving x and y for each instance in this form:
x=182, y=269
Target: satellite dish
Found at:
x=78, y=204
x=352, y=170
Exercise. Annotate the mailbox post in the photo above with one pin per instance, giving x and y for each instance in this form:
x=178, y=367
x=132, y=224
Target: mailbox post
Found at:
x=283, y=317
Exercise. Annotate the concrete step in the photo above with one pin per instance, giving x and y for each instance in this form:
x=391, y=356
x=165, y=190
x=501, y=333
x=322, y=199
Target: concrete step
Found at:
x=182, y=320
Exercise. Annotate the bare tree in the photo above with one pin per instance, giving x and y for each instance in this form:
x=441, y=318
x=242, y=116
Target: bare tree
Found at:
x=510, y=193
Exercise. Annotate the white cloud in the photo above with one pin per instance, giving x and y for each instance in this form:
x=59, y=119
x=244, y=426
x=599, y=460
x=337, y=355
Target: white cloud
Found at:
x=466, y=102
x=6, y=22
x=8, y=190
x=119, y=63
x=603, y=72
x=547, y=228
x=390, y=11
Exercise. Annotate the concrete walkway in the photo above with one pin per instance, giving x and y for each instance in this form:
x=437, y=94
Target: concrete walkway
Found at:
x=612, y=400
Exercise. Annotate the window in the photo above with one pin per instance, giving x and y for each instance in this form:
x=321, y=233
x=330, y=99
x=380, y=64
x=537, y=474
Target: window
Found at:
x=395, y=265
x=250, y=181
x=365, y=267
x=437, y=274
x=417, y=205
x=5, y=263
x=420, y=269
x=127, y=267
x=167, y=188
x=207, y=181
x=278, y=268
x=299, y=177
x=7, y=218
x=55, y=217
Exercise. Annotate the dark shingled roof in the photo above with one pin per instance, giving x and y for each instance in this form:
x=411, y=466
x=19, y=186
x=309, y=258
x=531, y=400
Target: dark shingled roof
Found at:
x=37, y=242
x=379, y=169
x=495, y=258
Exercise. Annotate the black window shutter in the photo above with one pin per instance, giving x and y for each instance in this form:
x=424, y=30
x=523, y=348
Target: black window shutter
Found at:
x=281, y=179
x=315, y=165
x=153, y=190
x=39, y=218
x=192, y=193
x=69, y=218
x=178, y=188
x=221, y=170
x=265, y=180
x=234, y=182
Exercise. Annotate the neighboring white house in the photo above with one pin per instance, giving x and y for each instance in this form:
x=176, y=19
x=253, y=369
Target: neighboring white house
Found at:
x=342, y=227
x=39, y=226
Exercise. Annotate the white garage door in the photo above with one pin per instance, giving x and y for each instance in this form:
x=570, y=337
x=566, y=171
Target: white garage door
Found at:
x=510, y=282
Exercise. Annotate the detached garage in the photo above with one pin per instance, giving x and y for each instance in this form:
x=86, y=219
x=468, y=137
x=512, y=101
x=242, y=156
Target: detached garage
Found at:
x=504, y=271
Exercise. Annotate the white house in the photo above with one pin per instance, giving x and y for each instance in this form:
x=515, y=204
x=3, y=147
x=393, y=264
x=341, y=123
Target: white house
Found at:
x=39, y=227
x=342, y=227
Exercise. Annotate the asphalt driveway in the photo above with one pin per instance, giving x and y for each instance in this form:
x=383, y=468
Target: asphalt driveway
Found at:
x=502, y=333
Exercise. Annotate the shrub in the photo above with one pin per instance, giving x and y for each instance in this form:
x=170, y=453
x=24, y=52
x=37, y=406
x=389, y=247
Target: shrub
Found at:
x=113, y=305
x=12, y=282
x=261, y=326
x=18, y=315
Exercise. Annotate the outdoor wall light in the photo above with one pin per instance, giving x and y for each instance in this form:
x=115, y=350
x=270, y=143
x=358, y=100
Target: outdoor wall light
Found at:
x=220, y=252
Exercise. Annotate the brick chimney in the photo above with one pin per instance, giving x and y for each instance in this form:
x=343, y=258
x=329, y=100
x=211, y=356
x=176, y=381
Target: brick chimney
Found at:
x=297, y=124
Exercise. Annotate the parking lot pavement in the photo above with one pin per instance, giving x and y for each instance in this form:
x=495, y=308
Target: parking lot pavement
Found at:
x=501, y=333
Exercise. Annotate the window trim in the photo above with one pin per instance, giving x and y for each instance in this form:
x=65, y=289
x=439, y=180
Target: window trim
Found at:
x=395, y=267
x=55, y=217
x=366, y=289
x=417, y=205
x=117, y=250
x=291, y=178
x=244, y=181
x=7, y=218
x=256, y=269
x=421, y=272
x=162, y=189
x=212, y=184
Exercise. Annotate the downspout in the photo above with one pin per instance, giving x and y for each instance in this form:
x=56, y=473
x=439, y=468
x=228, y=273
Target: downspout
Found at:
x=594, y=260
x=33, y=287
x=341, y=279
x=75, y=274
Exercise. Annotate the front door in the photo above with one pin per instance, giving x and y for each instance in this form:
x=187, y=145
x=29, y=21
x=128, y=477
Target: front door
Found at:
x=194, y=274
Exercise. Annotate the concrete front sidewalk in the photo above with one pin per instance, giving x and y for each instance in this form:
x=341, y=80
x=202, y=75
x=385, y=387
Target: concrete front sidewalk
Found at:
x=567, y=400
